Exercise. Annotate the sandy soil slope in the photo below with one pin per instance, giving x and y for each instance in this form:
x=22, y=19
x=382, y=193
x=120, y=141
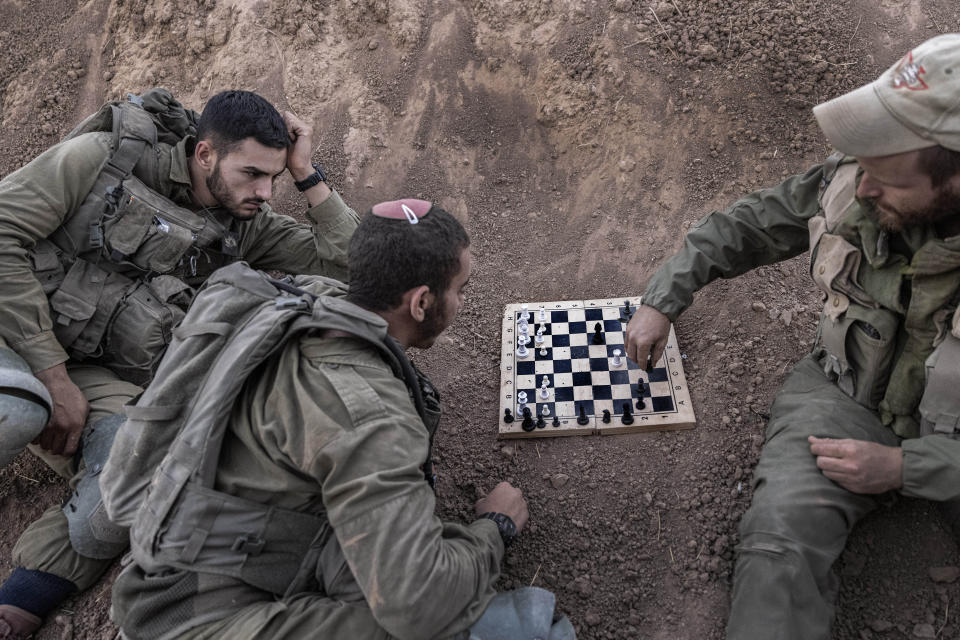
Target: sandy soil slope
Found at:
x=577, y=141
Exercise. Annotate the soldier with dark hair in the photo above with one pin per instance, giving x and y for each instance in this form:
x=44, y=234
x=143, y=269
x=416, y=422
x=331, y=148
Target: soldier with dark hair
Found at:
x=331, y=437
x=103, y=239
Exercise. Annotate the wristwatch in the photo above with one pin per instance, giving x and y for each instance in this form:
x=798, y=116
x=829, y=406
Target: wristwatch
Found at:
x=315, y=178
x=508, y=530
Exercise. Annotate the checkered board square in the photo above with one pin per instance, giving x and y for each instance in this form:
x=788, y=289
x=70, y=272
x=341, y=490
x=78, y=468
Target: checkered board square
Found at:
x=580, y=373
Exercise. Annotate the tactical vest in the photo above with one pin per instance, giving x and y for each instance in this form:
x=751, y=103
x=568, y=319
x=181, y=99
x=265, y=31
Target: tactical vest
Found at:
x=872, y=340
x=160, y=476
x=119, y=272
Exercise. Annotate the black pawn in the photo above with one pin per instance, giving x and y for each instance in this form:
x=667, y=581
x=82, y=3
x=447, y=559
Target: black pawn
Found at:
x=597, y=334
x=640, y=394
x=556, y=421
x=606, y=416
x=507, y=416
x=627, y=312
x=582, y=418
x=540, y=421
x=649, y=366
x=527, y=424
x=627, y=417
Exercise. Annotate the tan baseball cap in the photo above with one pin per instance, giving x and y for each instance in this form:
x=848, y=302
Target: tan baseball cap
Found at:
x=913, y=105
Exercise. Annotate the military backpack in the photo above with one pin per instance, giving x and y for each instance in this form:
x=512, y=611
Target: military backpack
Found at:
x=159, y=478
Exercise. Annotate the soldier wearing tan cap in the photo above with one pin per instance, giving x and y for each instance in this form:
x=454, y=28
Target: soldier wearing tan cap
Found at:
x=874, y=408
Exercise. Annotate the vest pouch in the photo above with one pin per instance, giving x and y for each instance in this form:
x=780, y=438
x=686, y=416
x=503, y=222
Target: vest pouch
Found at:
x=940, y=403
x=74, y=304
x=142, y=326
x=856, y=350
x=147, y=230
x=45, y=264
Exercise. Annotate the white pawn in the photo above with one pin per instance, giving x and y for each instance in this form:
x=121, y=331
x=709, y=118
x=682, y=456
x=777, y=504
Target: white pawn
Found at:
x=539, y=338
x=522, y=400
x=545, y=410
x=543, y=352
x=616, y=358
x=543, y=315
x=523, y=327
x=522, y=346
x=544, y=383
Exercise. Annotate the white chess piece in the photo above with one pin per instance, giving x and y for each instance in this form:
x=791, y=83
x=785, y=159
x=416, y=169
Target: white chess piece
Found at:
x=544, y=383
x=525, y=313
x=545, y=410
x=543, y=352
x=539, y=339
x=522, y=346
x=543, y=315
x=616, y=358
x=521, y=401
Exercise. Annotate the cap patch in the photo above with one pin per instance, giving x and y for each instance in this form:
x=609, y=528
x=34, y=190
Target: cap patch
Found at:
x=407, y=209
x=907, y=75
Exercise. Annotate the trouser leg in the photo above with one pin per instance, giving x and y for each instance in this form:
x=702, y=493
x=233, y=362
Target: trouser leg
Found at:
x=799, y=520
x=45, y=545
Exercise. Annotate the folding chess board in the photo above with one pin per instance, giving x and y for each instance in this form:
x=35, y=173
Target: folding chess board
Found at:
x=582, y=377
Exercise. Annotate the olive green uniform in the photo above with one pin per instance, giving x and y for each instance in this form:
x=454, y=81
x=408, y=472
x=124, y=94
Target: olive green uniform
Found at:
x=889, y=297
x=39, y=199
x=329, y=430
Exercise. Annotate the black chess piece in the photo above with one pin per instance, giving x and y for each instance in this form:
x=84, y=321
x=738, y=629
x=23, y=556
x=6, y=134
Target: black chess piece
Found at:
x=507, y=416
x=597, y=334
x=606, y=416
x=627, y=417
x=541, y=423
x=582, y=418
x=649, y=366
x=640, y=395
x=556, y=421
x=627, y=312
x=527, y=424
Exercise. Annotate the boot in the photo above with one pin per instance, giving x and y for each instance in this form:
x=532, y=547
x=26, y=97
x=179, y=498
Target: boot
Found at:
x=16, y=623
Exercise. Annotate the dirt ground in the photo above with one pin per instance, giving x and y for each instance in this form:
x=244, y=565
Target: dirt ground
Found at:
x=577, y=141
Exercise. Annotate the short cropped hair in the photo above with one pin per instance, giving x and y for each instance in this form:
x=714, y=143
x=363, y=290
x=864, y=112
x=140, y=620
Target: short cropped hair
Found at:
x=230, y=117
x=388, y=257
x=940, y=163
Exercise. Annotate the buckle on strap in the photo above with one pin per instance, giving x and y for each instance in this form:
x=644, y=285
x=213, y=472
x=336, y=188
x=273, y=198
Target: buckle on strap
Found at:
x=947, y=424
x=249, y=544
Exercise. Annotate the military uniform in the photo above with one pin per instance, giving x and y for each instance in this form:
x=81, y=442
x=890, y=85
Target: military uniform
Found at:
x=889, y=299
x=330, y=432
x=37, y=206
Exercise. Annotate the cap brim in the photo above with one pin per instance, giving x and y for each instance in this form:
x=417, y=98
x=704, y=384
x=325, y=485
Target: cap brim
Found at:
x=858, y=124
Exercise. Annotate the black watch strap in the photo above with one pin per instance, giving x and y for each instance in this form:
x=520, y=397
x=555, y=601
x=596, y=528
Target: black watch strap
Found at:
x=318, y=176
x=508, y=530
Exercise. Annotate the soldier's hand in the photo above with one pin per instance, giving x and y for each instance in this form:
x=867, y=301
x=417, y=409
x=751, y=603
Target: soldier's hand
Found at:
x=70, y=408
x=858, y=465
x=505, y=499
x=301, y=149
x=646, y=335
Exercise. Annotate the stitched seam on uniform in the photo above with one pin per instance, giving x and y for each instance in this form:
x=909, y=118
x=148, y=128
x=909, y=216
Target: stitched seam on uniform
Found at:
x=361, y=401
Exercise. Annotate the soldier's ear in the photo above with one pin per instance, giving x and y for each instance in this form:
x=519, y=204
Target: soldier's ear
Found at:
x=204, y=155
x=419, y=300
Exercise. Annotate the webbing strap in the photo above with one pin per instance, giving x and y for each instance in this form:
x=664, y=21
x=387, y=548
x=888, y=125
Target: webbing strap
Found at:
x=153, y=413
x=203, y=328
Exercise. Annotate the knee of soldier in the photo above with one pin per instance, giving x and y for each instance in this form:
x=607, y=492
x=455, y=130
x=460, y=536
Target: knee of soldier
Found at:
x=91, y=532
x=25, y=405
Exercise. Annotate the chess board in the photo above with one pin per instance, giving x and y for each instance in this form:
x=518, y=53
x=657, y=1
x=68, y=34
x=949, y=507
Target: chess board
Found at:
x=581, y=374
